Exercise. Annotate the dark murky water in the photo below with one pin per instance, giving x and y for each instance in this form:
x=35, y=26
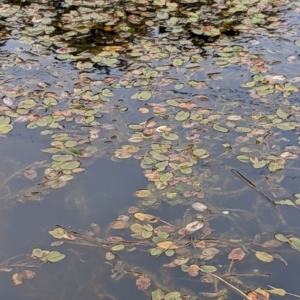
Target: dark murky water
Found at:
x=144, y=112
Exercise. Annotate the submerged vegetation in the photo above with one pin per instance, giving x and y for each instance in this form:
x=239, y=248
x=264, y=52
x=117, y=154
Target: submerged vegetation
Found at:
x=204, y=96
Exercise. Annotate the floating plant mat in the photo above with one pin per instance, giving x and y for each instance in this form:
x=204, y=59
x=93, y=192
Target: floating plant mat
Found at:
x=203, y=95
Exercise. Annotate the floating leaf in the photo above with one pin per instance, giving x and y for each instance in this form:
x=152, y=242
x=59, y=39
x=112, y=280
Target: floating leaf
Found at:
x=193, y=226
x=62, y=157
x=117, y=247
x=182, y=115
x=259, y=164
x=243, y=158
x=193, y=270
x=285, y=202
x=144, y=95
x=273, y=166
x=156, y=251
x=53, y=256
x=170, y=136
x=173, y=296
x=236, y=254
x=118, y=224
x=145, y=217
x=208, y=269
x=277, y=291
x=199, y=206
x=282, y=114
x=220, y=128
x=37, y=253
x=58, y=233
x=5, y=128
x=142, y=193
x=287, y=125
x=167, y=245
x=263, y=256
x=242, y=129
x=199, y=152
x=157, y=295
x=258, y=294
x=280, y=237
x=70, y=165
x=17, y=279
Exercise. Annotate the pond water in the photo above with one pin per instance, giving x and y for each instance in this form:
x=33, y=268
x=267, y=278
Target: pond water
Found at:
x=149, y=149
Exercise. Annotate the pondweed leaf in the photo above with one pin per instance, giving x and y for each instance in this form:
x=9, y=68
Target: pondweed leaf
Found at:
x=53, y=256
x=208, y=269
x=157, y=295
x=263, y=256
x=220, y=128
x=280, y=237
x=182, y=115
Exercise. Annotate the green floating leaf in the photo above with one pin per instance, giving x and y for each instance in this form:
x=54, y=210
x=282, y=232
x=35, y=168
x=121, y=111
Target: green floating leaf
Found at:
x=277, y=291
x=173, y=296
x=282, y=114
x=53, y=256
x=156, y=251
x=158, y=295
x=170, y=136
x=287, y=125
x=259, y=164
x=166, y=177
x=199, y=152
x=117, y=248
x=280, y=237
x=263, y=256
x=220, y=128
x=144, y=95
x=243, y=158
x=70, y=165
x=37, y=252
x=274, y=167
x=208, y=269
x=142, y=193
x=243, y=129
x=57, y=233
x=285, y=202
x=62, y=157
x=295, y=242
x=182, y=115
x=49, y=101
x=170, y=252
x=146, y=234
x=185, y=268
x=5, y=128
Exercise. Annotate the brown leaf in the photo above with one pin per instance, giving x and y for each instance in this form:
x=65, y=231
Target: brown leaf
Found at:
x=236, y=254
x=143, y=282
x=258, y=295
x=69, y=237
x=271, y=244
x=164, y=228
x=193, y=270
x=256, y=239
x=27, y=274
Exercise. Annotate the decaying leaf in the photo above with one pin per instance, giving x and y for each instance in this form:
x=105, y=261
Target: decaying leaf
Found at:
x=236, y=254
x=143, y=282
